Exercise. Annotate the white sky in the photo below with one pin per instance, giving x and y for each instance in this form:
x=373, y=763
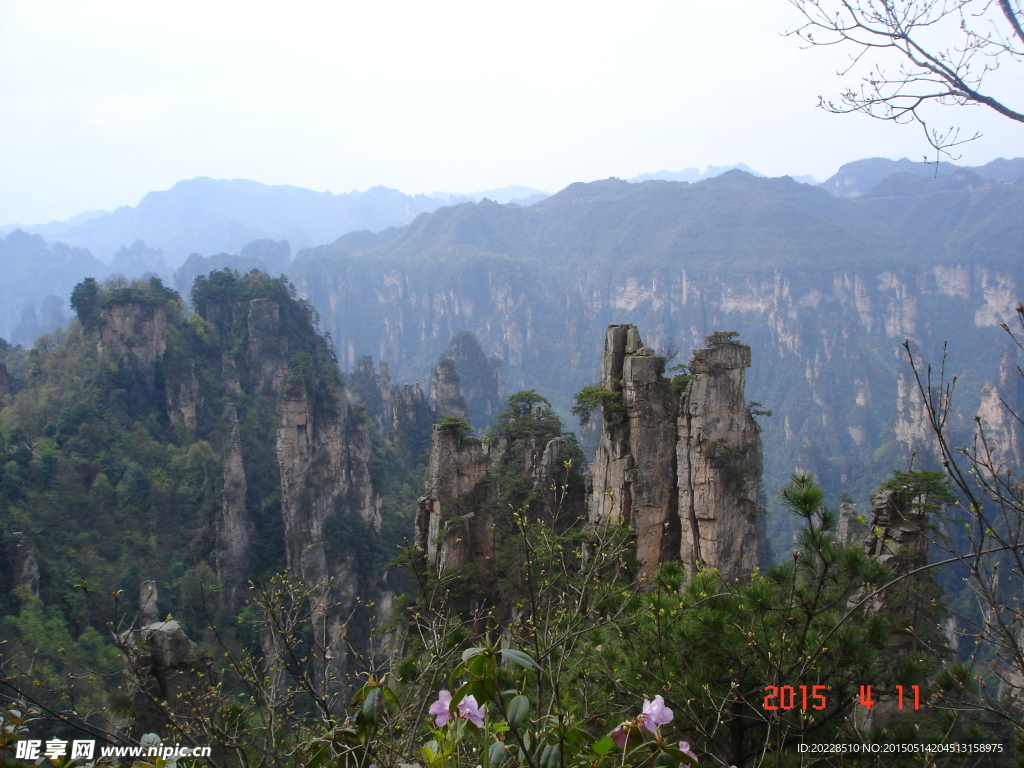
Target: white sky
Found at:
x=103, y=101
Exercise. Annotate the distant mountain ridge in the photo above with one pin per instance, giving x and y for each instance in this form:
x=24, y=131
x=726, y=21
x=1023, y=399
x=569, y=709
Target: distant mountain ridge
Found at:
x=220, y=219
x=860, y=177
x=693, y=175
x=214, y=216
x=209, y=216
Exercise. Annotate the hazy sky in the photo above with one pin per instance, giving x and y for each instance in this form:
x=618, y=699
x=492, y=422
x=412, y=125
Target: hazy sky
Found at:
x=101, y=102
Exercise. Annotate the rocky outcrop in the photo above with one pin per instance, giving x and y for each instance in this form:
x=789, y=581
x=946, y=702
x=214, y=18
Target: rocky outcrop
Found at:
x=897, y=533
x=720, y=463
x=25, y=565
x=445, y=393
x=267, y=349
x=480, y=379
x=828, y=328
x=470, y=496
x=466, y=383
x=323, y=450
x=403, y=414
x=680, y=460
x=134, y=334
x=848, y=524
x=1001, y=408
x=271, y=371
x=452, y=525
x=413, y=419
x=635, y=468
x=236, y=529
x=184, y=398
x=897, y=538
x=165, y=671
x=148, y=611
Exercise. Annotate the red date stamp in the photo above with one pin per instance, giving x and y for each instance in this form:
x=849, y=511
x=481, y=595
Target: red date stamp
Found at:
x=804, y=697
x=789, y=697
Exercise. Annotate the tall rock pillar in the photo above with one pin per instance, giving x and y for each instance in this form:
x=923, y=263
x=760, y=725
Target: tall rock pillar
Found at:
x=681, y=460
x=719, y=461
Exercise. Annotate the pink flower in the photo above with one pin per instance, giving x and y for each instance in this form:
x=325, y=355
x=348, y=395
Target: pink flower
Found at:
x=468, y=709
x=441, y=708
x=654, y=713
x=620, y=737
x=684, y=747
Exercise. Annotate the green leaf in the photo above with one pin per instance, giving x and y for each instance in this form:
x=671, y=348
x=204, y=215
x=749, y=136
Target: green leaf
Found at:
x=603, y=746
x=496, y=754
x=549, y=756
x=520, y=658
x=480, y=666
x=373, y=706
x=517, y=710
x=470, y=653
x=474, y=688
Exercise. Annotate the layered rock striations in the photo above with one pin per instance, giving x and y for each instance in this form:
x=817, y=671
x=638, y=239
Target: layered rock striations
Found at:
x=133, y=332
x=720, y=461
x=680, y=459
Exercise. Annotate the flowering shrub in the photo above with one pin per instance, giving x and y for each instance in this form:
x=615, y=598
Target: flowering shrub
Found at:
x=480, y=722
x=467, y=708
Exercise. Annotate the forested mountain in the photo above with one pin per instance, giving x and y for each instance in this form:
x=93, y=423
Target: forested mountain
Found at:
x=823, y=289
x=196, y=452
x=197, y=503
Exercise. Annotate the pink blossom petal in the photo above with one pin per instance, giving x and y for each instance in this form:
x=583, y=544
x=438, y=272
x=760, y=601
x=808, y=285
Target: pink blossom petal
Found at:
x=654, y=713
x=441, y=708
x=620, y=737
x=470, y=710
x=684, y=747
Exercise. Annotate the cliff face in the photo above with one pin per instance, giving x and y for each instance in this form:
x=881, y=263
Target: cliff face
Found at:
x=135, y=334
x=719, y=462
x=445, y=393
x=466, y=383
x=402, y=414
x=898, y=537
x=322, y=450
x=681, y=462
x=453, y=526
x=25, y=565
x=826, y=298
x=1000, y=408
x=251, y=352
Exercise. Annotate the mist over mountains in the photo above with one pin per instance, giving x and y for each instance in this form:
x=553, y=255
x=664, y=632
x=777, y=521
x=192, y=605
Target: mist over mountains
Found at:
x=209, y=216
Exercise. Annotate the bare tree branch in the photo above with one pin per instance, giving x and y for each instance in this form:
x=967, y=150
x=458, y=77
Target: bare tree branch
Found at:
x=943, y=50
